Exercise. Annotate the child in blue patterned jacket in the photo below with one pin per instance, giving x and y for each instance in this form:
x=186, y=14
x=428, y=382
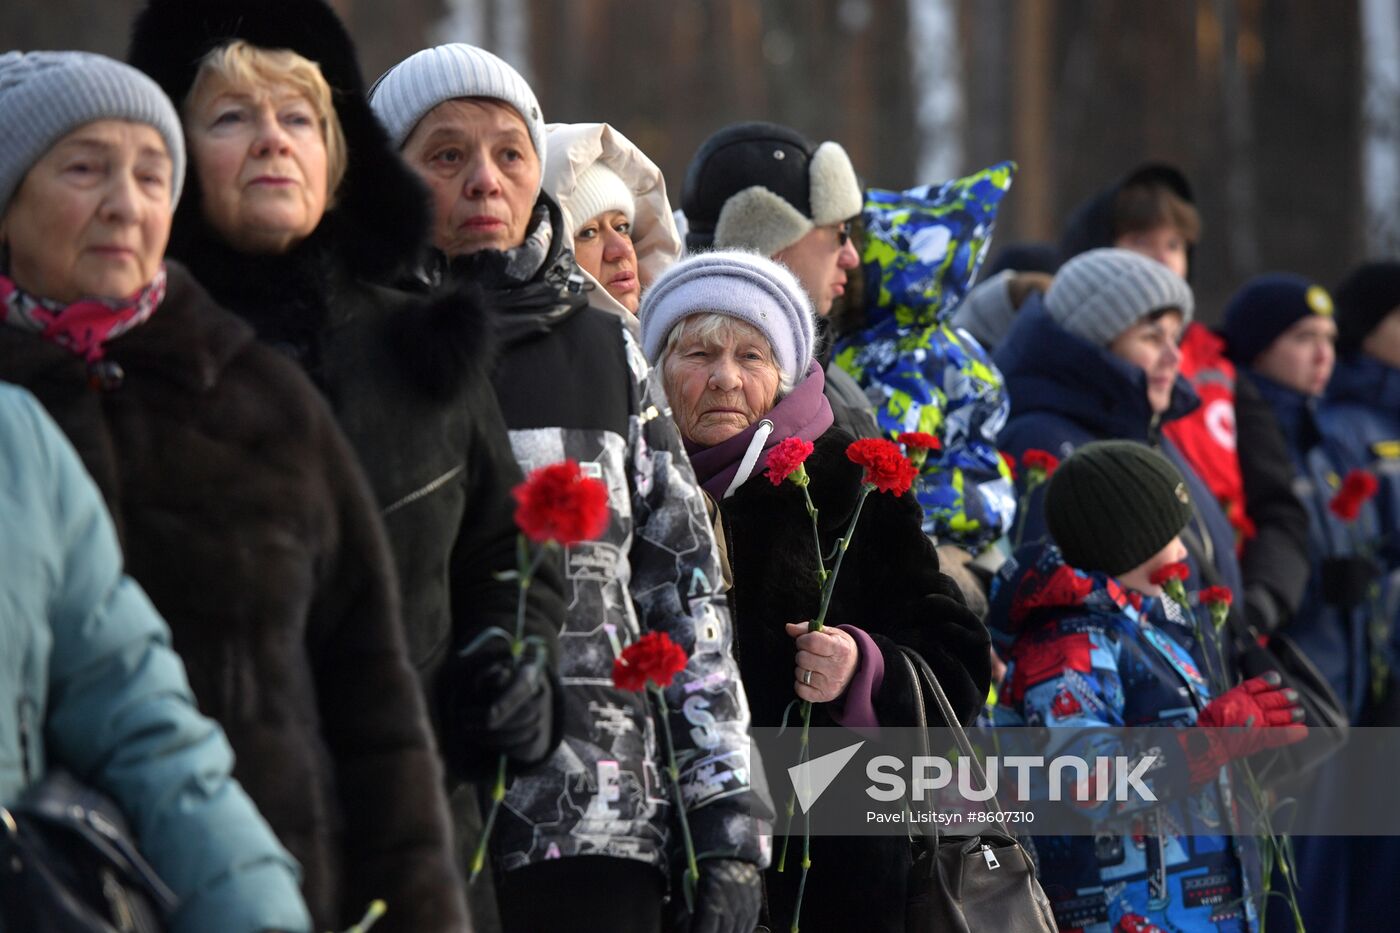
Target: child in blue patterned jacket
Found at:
x=1092, y=643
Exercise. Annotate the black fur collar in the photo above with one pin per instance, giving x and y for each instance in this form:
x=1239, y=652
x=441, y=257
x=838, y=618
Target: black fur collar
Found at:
x=380, y=221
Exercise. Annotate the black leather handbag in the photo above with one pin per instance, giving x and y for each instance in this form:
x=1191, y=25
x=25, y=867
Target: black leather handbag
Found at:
x=67, y=865
x=968, y=884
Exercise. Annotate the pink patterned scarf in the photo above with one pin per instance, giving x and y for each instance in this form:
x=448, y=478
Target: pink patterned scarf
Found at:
x=85, y=326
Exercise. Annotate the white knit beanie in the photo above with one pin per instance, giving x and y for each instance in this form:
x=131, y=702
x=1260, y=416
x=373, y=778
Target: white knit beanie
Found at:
x=739, y=284
x=44, y=96
x=1099, y=294
x=404, y=94
x=599, y=189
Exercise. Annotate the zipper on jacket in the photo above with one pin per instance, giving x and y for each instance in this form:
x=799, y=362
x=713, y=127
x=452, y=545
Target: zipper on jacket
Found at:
x=417, y=494
x=990, y=856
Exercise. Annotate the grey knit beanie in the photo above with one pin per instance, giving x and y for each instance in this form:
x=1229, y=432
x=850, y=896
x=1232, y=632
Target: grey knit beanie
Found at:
x=1099, y=294
x=44, y=96
x=739, y=284
x=404, y=94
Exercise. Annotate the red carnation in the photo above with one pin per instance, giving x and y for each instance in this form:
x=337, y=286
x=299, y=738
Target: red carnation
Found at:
x=787, y=458
x=886, y=467
x=918, y=440
x=558, y=503
x=653, y=658
x=1177, y=571
x=1358, y=488
x=1041, y=460
x=1216, y=594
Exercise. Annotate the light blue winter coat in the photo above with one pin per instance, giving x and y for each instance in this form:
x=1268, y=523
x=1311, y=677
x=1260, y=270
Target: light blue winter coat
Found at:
x=88, y=682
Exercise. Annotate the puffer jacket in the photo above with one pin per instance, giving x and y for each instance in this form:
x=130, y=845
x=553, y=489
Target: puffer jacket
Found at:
x=88, y=682
x=1066, y=392
x=1084, y=653
x=573, y=147
x=653, y=570
x=922, y=250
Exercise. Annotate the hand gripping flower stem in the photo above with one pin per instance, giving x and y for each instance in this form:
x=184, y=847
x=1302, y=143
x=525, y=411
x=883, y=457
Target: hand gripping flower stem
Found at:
x=1276, y=850
x=527, y=567
x=557, y=506
x=886, y=469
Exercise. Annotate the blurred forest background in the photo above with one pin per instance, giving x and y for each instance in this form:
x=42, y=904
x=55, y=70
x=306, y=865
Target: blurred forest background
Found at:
x=1285, y=114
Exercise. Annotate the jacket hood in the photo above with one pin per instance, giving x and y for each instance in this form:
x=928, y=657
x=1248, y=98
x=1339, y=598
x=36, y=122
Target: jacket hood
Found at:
x=923, y=248
x=1090, y=225
x=1037, y=586
x=573, y=147
x=1048, y=369
x=380, y=216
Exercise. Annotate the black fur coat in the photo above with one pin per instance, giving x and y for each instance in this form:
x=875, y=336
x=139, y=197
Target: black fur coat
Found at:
x=242, y=513
x=889, y=586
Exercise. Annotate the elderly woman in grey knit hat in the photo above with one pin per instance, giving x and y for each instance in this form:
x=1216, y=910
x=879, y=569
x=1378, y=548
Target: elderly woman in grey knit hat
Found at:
x=732, y=333
x=240, y=507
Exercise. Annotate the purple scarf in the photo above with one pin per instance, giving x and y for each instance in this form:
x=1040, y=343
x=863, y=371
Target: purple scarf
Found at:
x=803, y=413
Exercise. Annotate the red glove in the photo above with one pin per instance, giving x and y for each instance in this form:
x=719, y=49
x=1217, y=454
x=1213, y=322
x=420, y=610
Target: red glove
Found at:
x=1258, y=714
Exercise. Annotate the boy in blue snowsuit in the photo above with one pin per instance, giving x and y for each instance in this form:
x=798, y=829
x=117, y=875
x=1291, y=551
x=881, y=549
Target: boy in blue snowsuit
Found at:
x=1092, y=643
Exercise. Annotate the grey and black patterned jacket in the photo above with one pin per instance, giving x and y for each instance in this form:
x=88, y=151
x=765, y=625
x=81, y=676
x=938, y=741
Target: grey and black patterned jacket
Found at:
x=572, y=383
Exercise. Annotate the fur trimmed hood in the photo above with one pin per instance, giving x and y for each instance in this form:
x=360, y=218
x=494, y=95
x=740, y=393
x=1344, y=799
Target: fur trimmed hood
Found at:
x=573, y=147
x=763, y=187
x=380, y=218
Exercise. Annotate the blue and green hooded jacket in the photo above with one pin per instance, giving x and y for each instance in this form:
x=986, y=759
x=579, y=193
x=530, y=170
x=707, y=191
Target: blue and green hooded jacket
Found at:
x=922, y=250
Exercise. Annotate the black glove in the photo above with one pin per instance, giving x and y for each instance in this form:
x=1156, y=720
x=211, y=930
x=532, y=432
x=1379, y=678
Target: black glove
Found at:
x=505, y=708
x=728, y=897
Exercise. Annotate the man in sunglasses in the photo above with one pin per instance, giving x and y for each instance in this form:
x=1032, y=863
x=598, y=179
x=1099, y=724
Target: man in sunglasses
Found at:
x=767, y=188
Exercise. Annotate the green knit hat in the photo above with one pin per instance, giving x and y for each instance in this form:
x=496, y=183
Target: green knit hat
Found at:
x=1113, y=504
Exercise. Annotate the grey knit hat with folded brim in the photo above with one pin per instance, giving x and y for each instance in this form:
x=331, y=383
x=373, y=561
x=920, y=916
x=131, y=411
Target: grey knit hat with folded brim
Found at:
x=404, y=94
x=1099, y=294
x=738, y=284
x=44, y=96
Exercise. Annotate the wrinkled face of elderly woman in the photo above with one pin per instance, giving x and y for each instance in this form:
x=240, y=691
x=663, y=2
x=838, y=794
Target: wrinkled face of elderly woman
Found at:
x=720, y=375
x=265, y=146
x=92, y=216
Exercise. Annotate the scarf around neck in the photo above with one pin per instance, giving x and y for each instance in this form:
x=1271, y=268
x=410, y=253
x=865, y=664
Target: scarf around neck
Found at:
x=85, y=326
x=804, y=412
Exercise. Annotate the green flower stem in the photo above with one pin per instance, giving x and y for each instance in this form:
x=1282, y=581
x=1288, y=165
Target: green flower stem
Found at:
x=829, y=586
x=816, y=534
x=692, y=872
x=527, y=566
x=806, y=864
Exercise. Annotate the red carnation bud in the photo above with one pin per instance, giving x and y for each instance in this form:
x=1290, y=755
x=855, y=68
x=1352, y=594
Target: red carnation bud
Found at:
x=886, y=467
x=918, y=440
x=653, y=658
x=1041, y=461
x=1177, y=571
x=558, y=503
x=785, y=461
x=1216, y=594
x=1358, y=488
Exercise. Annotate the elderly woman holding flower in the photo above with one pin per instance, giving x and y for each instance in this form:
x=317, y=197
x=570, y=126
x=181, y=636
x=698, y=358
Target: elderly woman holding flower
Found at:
x=732, y=335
